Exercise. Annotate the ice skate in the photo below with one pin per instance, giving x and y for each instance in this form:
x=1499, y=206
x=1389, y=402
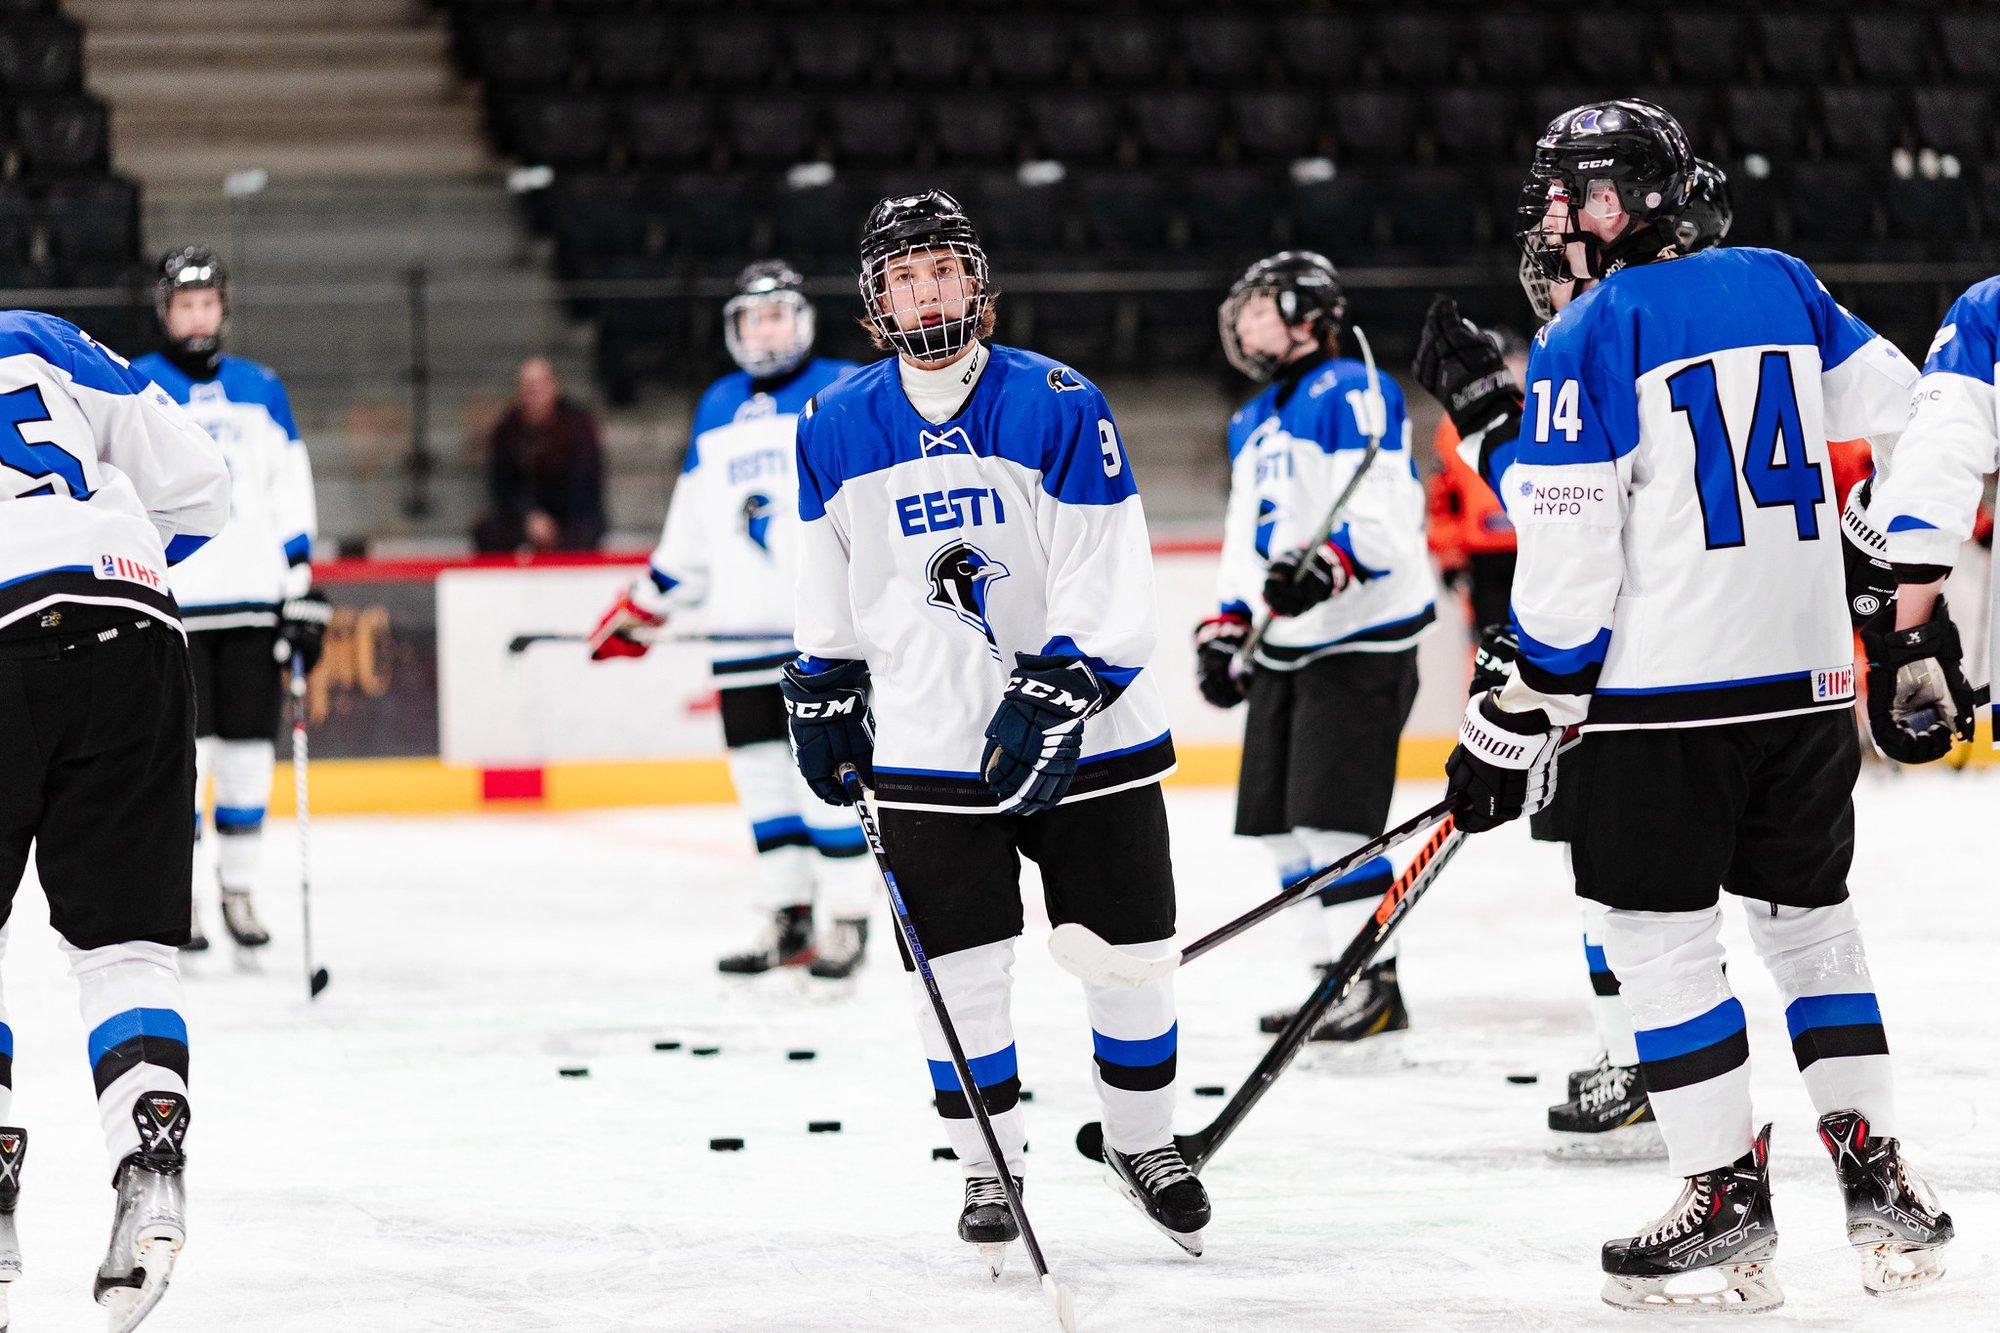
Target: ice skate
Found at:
x=1373, y=1008
x=197, y=937
x=987, y=1221
x=1711, y=1252
x=1893, y=1219
x=13, y=1151
x=841, y=950
x=241, y=919
x=150, y=1225
x=1160, y=1185
x=1608, y=1119
x=788, y=942
x=1578, y=1077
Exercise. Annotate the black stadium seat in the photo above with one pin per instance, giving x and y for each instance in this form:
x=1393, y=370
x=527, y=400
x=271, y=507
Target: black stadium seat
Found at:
x=1324, y=49
x=524, y=52
x=1373, y=124
x=732, y=54
x=629, y=51
x=1706, y=45
x=1178, y=126
x=1229, y=210
x=1859, y=121
x=1612, y=44
x=1418, y=46
x=596, y=217
x=1832, y=206
x=985, y=127
x=711, y=216
x=1278, y=124
x=561, y=129
x=1761, y=120
x=38, y=58
x=1929, y=218
x=1891, y=47
x=878, y=128
x=1337, y=216
x=1127, y=48
x=1970, y=40
x=1019, y=222
x=1515, y=48
x=1075, y=127
x=92, y=222
x=1953, y=120
x=61, y=135
x=1125, y=211
x=816, y=226
x=920, y=52
x=1027, y=51
x=1474, y=123
x=1798, y=45
x=773, y=130
x=669, y=129
x=833, y=53
x=1224, y=50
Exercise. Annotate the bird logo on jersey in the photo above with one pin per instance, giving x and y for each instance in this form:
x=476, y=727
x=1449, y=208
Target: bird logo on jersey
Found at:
x=756, y=513
x=961, y=576
x=1267, y=523
x=1063, y=380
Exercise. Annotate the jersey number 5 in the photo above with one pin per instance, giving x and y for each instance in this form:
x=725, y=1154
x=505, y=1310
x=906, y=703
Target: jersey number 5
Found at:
x=24, y=407
x=1774, y=451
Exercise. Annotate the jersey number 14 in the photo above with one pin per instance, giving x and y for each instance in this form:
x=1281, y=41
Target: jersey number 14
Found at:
x=1775, y=465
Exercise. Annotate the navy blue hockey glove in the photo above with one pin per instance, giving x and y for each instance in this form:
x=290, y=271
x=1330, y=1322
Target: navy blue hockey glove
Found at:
x=1493, y=660
x=827, y=712
x=1504, y=766
x=1036, y=734
x=1463, y=369
x=302, y=623
x=1217, y=640
x=1918, y=698
x=1295, y=583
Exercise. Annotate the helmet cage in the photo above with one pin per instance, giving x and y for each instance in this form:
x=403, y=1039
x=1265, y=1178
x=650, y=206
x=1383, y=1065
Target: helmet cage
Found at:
x=771, y=362
x=937, y=335
x=1306, y=292
x=187, y=270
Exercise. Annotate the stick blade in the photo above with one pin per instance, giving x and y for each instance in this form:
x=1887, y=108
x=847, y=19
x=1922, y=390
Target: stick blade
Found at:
x=1060, y=1302
x=1083, y=953
x=519, y=643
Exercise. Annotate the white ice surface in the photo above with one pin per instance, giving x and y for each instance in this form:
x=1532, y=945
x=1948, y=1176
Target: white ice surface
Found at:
x=403, y=1156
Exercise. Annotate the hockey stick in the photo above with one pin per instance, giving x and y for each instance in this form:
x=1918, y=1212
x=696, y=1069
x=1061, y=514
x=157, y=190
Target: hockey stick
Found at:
x=1058, y=1295
x=520, y=643
x=1239, y=666
x=316, y=977
x=1197, y=1148
x=1084, y=954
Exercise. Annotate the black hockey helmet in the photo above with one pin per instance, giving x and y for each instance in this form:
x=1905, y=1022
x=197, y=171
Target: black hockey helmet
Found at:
x=930, y=227
x=1705, y=220
x=1604, y=159
x=765, y=284
x=1306, y=288
x=187, y=269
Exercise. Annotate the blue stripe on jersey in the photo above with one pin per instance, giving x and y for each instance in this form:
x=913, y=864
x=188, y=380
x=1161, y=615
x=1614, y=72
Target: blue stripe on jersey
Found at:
x=6, y=1041
x=1062, y=645
x=1236, y=608
x=1563, y=661
x=764, y=830
x=1709, y=684
x=65, y=346
x=1386, y=632
x=1088, y=760
x=1697, y=1033
x=59, y=569
x=1831, y=1011
x=123, y=1027
x=1910, y=523
x=1343, y=537
x=298, y=550
x=987, y=1070
x=229, y=817
x=775, y=659
x=182, y=545
x=1135, y=1054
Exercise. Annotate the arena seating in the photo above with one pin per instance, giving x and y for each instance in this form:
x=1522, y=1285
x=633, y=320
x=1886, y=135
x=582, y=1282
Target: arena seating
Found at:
x=1194, y=136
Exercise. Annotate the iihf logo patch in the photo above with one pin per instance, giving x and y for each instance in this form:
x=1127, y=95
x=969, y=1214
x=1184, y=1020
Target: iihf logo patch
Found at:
x=130, y=571
x=756, y=513
x=953, y=441
x=1831, y=683
x=961, y=579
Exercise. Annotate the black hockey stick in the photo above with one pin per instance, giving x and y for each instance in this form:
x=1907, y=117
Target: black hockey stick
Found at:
x=1084, y=954
x=1197, y=1148
x=520, y=643
x=316, y=977
x=1057, y=1294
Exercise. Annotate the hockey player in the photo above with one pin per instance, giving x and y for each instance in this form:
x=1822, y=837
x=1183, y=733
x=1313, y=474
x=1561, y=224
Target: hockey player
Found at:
x=106, y=483
x=246, y=598
x=975, y=619
x=1666, y=391
x=729, y=546
x=1336, y=672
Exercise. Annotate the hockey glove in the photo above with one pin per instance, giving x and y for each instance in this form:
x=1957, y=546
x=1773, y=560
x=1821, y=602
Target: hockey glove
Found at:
x=1036, y=734
x=1504, y=766
x=1296, y=583
x=614, y=635
x=1217, y=640
x=1493, y=660
x=1871, y=579
x=1918, y=698
x=827, y=712
x=302, y=623
x=1463, y=369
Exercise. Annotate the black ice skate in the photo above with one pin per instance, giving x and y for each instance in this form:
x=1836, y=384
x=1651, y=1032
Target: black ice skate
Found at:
x=197, y=938
x=1893, y=1219
x=13, y=1151
x=1578, y=1077
x=150, y=1224
x=1160, y=1185
x=1373, y=1008
x=1609, y=1118
x=987, y=1221
x=788, y=942
x=241, y=919
x=841, y=950
x=1721, y=1227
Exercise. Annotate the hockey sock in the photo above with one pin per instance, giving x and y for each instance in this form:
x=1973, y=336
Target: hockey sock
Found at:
x=976, y=984
x=766, y=787
x=1348, y=902
x=130, y=996
x=1815, y=956
x=242, y=789
x=1135, y=1038
x=844, y=878
x=1690, y=1032
x=1607, y=1005
x=6, y=1046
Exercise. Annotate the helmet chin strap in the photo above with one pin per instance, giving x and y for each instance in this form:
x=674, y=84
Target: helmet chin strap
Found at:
x=198, y=358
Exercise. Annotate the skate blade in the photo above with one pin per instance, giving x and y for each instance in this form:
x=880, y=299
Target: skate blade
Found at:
x=995, y=1256
x=1632, y=1143
x=1189, y=1241
x=1745, y=1289
x=1383, y=1053
x=1888, y=1267
x=127, y=1306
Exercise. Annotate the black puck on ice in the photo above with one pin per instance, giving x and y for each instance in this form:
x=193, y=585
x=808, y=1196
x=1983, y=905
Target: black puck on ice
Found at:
x=800, y=1055
x=1210, y=1090
x=1524, y=1078
x=943, y=1155
x=823, y=1127
x=1025, y=1095
x=725, y=1145
x=666, y=1046
x=574, y=1071
x=704, y=1050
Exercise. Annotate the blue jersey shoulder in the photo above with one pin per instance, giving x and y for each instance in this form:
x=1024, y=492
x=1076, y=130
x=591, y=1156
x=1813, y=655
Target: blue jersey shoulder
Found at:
x=65, y=346
x=1245, y=420
x=1319, y=409
x=1968, y=342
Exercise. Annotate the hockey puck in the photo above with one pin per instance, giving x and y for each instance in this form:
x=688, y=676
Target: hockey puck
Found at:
x=1090, y=1141
x=574, y=1071
x=800, y=1055
x=823, y=1127
x=666, y=1046
x=725, y=1145
x=704, y=1050
x=1210, y=1090
x=1524, y=1078
x=943, y=1155
x=1025, y=1095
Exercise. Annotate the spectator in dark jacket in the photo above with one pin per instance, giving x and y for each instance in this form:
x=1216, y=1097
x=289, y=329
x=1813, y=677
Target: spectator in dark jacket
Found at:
x=545, y=471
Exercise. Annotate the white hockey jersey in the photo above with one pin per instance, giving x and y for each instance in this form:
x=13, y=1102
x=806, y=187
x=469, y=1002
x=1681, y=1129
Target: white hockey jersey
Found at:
x=1925, y=504
x=260, y=558
x=1292, y=450
x=106, y=481
x=729, y=545
x=1679, y=535
x=936, y=552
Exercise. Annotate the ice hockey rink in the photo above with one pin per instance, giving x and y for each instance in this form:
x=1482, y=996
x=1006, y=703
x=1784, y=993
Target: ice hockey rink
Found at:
x=404, y=1155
